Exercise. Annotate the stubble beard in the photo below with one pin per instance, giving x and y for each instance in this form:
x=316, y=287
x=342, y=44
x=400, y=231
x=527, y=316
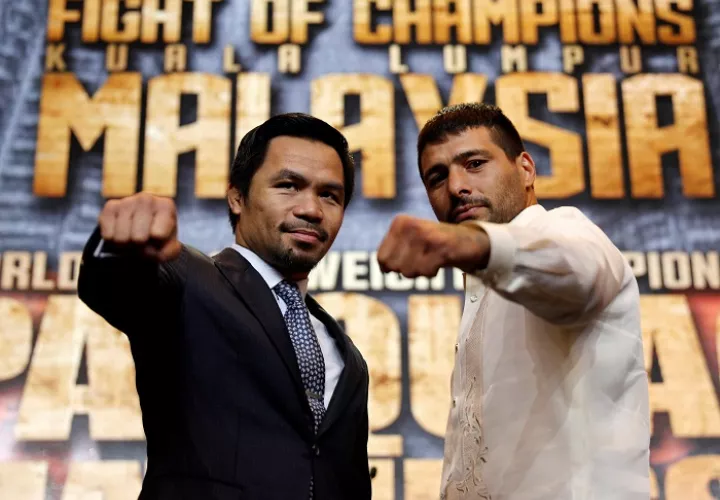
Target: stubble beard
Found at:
x=288, y=261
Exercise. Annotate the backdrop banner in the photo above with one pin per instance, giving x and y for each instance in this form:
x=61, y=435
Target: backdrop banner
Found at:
x=617, y=100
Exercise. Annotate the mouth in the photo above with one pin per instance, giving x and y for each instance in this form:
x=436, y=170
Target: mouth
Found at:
x=306, y=236
x=467, y=212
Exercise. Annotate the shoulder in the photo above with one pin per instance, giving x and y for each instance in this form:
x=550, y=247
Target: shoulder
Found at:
x=571, y=219
x=186, y=264
x=568, y=213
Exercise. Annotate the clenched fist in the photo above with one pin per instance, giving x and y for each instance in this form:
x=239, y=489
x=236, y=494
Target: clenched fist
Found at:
x=416, y=247
x=142, y=222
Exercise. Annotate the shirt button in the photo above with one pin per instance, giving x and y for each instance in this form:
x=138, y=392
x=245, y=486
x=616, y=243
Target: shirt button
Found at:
x=454, y=402
x=473, y=298
x=456, y=347
x=316, y=450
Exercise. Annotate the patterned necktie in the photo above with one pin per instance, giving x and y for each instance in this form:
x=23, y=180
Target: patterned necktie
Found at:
x=307, y=348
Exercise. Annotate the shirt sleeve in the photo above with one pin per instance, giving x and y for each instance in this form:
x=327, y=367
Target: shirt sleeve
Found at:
x=562, y=267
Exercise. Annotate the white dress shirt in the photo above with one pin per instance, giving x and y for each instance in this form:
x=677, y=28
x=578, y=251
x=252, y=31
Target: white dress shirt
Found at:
x=334, y=363
x=550, y=393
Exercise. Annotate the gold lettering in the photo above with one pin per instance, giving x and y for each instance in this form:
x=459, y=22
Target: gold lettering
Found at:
x=497, y=12
x=654, y=490
x=566, y=158
x=107, y=480
x=568, y=25
x=586, y=22
x=229, y=64
x=152, y=17
x=16, y=335
x=706, y=270
x=676, y=270
x=208, y=136
x=68, y=270
x=130, y=21
x=691, y=477
x=260, y=23
x=383, y=484
x=116, y=58
x=681, y=29
x=15, y=271
x=202, y=20
x=51, y=397
x=58, y=16
x=455, y=59
x=175, y=58
x=445, y=20
x=573, y=55
x=686, y=393
x=65, y=107
x=375, y=330
x=432, y=355
x=253, y=103
x=421, y=18
x=362, y=22
x=424, y=97
x=422, y=478
x=687, y=58
x=23, y=479
x=532, y=19
x=637, y=263
x=91, y=21
x=39, y=270
x=395, y=57
x=54, y=57
x=654, y=271
x=302, y=17
x=603, y=136
x=289, y=58
x=374, y=135
x=513, y=58
x=635, y=18
x=630, y=59
x=688, y=135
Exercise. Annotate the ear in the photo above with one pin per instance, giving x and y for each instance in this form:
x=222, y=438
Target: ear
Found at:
x=234, y=200
x=527, y=167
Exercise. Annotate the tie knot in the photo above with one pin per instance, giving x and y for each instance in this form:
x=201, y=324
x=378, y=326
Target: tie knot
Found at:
x=290, y=293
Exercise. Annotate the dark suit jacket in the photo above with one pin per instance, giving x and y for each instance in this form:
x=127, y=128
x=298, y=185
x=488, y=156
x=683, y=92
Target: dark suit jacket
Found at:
x=224, y=409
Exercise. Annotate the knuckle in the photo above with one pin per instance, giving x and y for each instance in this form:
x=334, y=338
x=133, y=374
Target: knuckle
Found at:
x=164, y=203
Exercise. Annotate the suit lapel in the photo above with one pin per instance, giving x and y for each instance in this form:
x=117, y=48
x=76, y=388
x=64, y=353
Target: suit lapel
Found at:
x=253, y=290
x=352, y=374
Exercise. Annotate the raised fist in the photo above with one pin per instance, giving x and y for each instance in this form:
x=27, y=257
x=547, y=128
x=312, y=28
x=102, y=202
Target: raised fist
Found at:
x=415, y=247
x=142, y=222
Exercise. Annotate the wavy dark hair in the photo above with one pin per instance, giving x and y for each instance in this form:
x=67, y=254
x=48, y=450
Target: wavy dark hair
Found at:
x=453, y=120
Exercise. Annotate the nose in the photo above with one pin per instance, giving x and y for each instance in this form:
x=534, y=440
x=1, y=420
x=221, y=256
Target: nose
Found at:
x=308, y=208
x=459, y=182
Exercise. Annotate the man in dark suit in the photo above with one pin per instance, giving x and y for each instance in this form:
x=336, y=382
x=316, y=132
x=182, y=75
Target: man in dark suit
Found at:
x=249, y=390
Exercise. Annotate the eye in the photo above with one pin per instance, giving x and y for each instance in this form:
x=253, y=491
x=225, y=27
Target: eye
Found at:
x=435, y=179
x=333, y=196
x=286, y=185
x=476, y=163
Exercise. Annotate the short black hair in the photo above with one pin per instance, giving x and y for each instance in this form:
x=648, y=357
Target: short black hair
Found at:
x=453, y=120
x=254, y=145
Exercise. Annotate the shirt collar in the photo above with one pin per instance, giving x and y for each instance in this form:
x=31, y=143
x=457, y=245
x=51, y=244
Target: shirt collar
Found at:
x=271, y=276
x=522, y=219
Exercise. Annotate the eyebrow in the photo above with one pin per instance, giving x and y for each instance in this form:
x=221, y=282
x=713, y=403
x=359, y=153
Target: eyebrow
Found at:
x=461, y=157
x=458, y=158
x=287, y=174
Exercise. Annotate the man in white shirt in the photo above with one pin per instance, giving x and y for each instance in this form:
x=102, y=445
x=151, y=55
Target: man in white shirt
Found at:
x=248, y=388
x=549, y=391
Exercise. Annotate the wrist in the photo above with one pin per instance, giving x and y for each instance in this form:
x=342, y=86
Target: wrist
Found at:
x=477, y=254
